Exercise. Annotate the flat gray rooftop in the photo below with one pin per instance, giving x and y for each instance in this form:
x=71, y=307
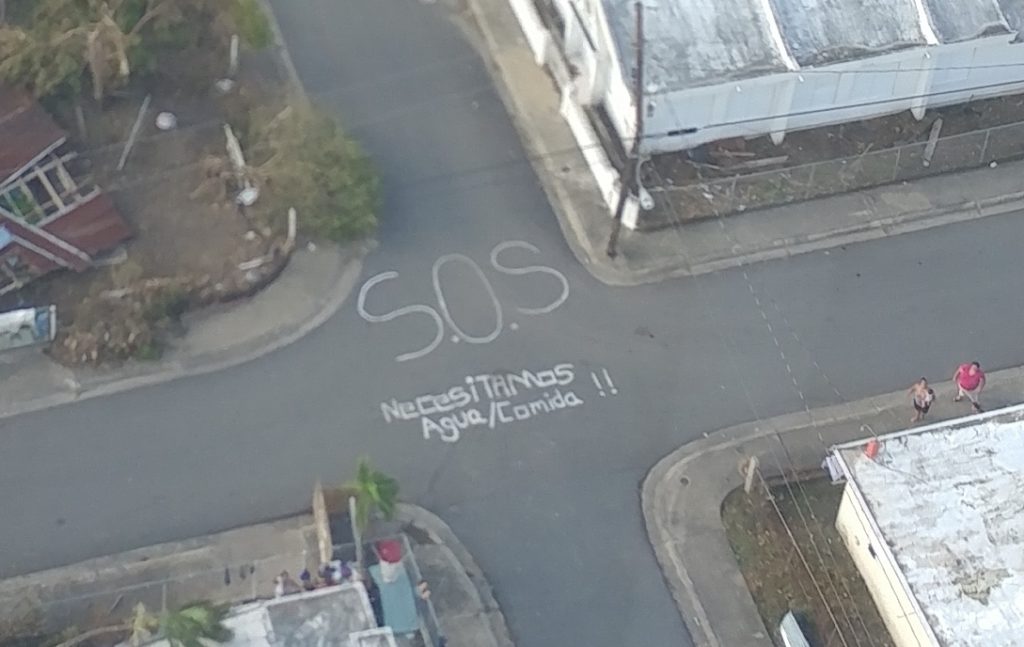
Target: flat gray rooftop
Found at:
x=949, y=502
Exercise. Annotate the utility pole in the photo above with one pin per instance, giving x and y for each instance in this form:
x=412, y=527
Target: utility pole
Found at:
x=628, y=180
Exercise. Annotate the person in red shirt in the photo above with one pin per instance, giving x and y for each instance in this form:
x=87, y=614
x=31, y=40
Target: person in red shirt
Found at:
x=969, y=380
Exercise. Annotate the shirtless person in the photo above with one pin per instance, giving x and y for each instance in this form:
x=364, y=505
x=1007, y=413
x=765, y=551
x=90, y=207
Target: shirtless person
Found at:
x=922, y=396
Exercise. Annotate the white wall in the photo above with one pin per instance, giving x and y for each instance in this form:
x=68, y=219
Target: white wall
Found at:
x=881, y=575
x=822, y=96
x=537, y=35
x=596, y=65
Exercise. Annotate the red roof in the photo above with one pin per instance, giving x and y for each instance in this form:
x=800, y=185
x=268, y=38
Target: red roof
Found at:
x=92, y=227
x=26, y=131
x=62, y=255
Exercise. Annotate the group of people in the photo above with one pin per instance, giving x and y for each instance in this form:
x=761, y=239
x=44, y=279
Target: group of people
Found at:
x=969, y=380
x=329, y=574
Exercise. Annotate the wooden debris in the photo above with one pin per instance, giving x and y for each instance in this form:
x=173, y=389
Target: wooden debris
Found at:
x=933, y=140
x=760, y=163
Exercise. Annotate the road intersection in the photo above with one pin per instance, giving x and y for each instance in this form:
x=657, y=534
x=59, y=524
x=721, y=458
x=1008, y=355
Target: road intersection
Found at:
x=474, y=303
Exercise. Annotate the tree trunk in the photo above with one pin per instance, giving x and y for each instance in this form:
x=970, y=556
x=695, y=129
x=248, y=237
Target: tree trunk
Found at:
x=100, y=631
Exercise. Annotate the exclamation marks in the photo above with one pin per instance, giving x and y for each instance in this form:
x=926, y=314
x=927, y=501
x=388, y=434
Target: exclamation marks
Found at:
x=608, y=379
x=602, y=385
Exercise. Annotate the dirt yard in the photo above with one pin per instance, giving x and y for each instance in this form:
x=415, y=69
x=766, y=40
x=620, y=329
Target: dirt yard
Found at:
x=187, y=231
x=738, y=175
x=776, y=576
x=834, y=142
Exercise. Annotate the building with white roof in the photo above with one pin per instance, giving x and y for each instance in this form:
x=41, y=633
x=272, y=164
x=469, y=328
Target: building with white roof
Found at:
x=935, y=523
x=335, y=616
x=718, y=69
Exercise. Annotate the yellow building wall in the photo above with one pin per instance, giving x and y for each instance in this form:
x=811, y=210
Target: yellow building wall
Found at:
x=880, y=575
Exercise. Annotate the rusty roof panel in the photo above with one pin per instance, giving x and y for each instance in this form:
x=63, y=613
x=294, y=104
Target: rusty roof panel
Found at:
x=26, y=132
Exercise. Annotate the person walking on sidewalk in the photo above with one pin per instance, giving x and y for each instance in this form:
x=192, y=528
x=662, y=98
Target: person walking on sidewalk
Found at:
x=922, y=395
x=969, y=380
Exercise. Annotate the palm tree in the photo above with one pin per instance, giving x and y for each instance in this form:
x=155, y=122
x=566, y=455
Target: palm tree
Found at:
x=186, y=627
x=373, y=490
x=199, y=621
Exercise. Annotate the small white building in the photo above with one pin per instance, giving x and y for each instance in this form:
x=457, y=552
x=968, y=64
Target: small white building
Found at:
x=335, y=616
x=935, y=525
x=718, y=69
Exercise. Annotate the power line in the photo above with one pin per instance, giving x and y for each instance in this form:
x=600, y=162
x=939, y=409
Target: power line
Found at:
x=754, y=409
x=674, y=215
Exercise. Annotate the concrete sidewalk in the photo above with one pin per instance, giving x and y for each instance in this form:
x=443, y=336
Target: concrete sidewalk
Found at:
x=532, y=98
x=239, y=565
x=462, y=596
x=311, y=288
x=683, y=493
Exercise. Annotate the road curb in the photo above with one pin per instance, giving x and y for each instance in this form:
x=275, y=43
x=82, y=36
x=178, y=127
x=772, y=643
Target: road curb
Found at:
x=659, y=486
x=441, y=533
x=349, y=269
x=541, y=159
x=910, y=222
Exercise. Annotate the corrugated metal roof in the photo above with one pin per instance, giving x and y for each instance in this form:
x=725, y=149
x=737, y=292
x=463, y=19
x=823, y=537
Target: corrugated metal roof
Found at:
x=691, y=43
x=94, y=226
x=1013, y=11
x=819, y=32
x=696, y=42
x=26, y=131
x=954, y=22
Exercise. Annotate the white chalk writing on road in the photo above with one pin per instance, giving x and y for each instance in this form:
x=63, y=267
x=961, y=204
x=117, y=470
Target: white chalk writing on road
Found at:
x=442, y=316
x=489, y=400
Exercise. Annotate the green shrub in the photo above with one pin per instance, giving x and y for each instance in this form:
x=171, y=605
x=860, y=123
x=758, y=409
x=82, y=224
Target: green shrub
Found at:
x=315, y=168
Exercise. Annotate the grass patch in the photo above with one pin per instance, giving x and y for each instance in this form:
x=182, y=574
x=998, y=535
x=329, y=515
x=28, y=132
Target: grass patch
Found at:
x=776, y=576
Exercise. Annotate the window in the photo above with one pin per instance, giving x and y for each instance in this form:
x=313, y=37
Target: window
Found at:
x=20, y=204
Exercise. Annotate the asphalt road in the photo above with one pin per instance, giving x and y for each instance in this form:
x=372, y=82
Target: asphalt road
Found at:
x=548, y=504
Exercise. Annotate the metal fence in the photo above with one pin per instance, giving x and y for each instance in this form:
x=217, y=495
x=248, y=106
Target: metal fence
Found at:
x=424, y=607
x=430, y=627
x=47, y=605
x=721, y=196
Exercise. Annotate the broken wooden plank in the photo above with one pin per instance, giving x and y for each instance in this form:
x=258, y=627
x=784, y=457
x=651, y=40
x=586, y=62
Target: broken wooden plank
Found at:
x=933, y=140
x=761, y=163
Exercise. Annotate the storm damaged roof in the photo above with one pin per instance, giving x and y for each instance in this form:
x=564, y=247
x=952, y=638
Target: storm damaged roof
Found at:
x=955, y=22
x=819, y=32
x=697, y=42
x=1013, y=11
x=692, y=43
